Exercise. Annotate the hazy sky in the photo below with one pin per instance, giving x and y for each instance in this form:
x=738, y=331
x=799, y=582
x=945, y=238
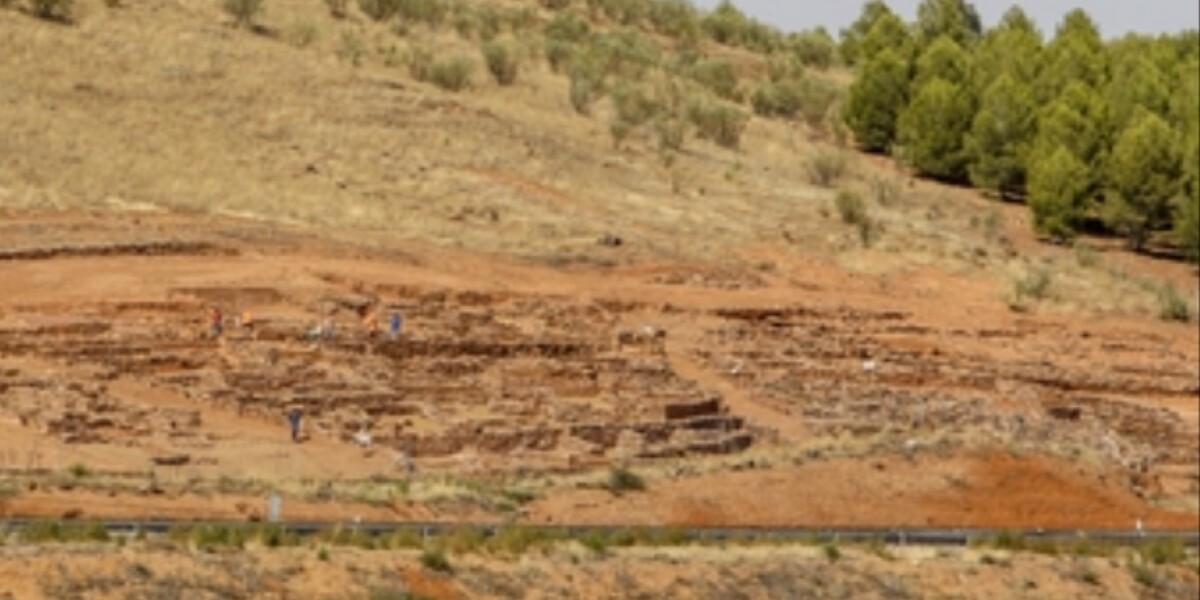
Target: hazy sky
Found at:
x=1116, y=17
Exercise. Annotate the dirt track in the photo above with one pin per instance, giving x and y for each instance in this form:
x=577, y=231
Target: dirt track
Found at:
x=105, y=360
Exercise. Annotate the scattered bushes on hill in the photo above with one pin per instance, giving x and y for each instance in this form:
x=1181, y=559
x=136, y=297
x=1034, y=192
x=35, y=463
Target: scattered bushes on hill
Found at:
x=729, y=26
x=337, y=8
x=826, y=167
x=851, y=207
x=301, y=33
x=1172, y=306
x=502, y=62
x=242, y=11
x=815, y=48
x=721, y=123
x=435, y=560
x=776, y=98
x=51, y=10
x=453, y=74
x=718, y=76
x=623, y=480
x=351, y=47
x=816, y=100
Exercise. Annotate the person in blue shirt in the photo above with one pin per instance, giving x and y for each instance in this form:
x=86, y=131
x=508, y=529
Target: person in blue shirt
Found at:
x=396, y=324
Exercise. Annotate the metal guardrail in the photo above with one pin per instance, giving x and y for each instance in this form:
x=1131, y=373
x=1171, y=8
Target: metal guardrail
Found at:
x=891, y=536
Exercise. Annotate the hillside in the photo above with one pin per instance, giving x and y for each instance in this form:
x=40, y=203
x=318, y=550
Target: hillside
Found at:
x=585, y=305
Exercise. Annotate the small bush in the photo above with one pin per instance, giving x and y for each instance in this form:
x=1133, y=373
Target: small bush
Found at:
x=420, y=64
x=1086, y=256
x=501, y=61
x=776, y=99
x=815, y=101
x=886, y=190
x=623, y=480
x=337, y=8
x=555, y=4
x=1145, y=576
x=435, y=560
x=718, y=76
x=814, y=48
x=832, y=553
x=53, y=10
x=678, y=19
x=1034, y=285
x=453, y=74
x=1009, y=540
x=79, y=470
x=1172, y=306
x=1164, y=552
x=851, y=207
x=721, y=123
x=826, y=167
x=430, y=12
x=671, y=132
x=301, y=33
x=351, y=47
x=242, y=11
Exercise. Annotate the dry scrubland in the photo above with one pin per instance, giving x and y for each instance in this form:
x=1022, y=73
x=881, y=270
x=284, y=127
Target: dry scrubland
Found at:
x=600, y=330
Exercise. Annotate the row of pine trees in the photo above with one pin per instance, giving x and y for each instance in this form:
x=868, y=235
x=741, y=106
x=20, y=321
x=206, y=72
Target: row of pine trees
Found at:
x=1094, y=135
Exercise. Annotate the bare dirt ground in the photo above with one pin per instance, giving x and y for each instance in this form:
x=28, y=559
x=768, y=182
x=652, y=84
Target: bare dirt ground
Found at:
x=739, y=349
x=840, y=399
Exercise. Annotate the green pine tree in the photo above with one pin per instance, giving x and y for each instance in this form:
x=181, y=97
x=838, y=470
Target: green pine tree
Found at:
x=943, y=59
x=1145, y=173
x=1058, y=194
x=875, y=99
x=1001, y=136
x=1013, y=47
x=956, y=19
x=888, y=33
x=853, y=35
x=932, y=129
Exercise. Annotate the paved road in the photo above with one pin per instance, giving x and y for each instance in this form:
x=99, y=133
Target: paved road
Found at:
x=899, y=536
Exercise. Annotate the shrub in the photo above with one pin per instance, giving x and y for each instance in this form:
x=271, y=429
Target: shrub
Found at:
x=420, y=64
x=1172, y=306
x=1145, y=576
x=242, y=11
x=435, y=560
x=721, y=123
x=675, y=18
x=777, y=98
x=815, y=99
x=301, y=33
x=53, y=10
x=623, y=480
x=850, y=207
x=814, y=48
x=832, y=553
x=671, y=131
x=429, y=12
x=337, y=8
x=718, y=76
x=587, y=80
x=323, y=554
x=1035, y=285
x=453, y=74
x=886, y=190
x=826, y=167
x=380, y=10
x=79, y=470
x=501, y=61
x=1164, y=552
x=555, y=4
x=351, y=47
